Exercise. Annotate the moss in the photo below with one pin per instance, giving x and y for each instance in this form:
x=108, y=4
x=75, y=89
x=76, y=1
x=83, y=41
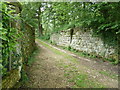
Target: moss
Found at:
x=10, y=80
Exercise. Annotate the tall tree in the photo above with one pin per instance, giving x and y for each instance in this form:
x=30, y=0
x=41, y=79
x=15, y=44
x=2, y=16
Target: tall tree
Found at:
x=40, y=29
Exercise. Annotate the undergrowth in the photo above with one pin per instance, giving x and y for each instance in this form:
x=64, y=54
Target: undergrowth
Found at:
x=89, y=55
x=24, y=74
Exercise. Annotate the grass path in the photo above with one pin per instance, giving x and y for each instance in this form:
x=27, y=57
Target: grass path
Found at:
x=55, y=68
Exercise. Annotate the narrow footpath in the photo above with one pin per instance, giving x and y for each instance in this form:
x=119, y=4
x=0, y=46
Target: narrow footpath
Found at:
x=57, y=68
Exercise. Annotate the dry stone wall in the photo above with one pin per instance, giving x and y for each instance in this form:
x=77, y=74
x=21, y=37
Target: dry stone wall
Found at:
x=85, y=41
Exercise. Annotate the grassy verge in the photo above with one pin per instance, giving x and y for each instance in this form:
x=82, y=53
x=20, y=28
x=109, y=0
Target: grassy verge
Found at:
x=85, y=54
x=79, y=78
x=58, y=52
x=90, y=55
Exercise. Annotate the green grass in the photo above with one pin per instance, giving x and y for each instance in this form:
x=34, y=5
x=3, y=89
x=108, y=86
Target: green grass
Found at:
x=82, y=54
x=59, y=52
x=66, y=66
x=90, y=55
x=114, y=76
x=32, y=58
x=51, y=48
x=82, y=80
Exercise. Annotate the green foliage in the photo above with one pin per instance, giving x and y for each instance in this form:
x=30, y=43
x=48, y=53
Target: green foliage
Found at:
x=32, y=58
x=69, y=48
x=65, y=15
x=24, y=77
x=28, y=13
x=9, y=36
x=64, y=27
x=101, y=17
x=106, y=18
x=45, y=37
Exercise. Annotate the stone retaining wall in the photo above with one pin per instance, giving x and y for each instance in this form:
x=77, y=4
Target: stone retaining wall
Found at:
x=85, y=41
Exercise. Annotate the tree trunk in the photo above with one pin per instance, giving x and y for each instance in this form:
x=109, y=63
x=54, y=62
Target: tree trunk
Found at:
x=84, y=5
x=40, y=29
x=71, y=34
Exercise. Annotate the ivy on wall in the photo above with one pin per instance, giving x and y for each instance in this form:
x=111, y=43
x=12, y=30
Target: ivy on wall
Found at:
x=9, y=36
x=14, y=39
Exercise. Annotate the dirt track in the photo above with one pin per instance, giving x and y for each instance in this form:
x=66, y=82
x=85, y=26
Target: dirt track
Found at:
x=55, y=68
